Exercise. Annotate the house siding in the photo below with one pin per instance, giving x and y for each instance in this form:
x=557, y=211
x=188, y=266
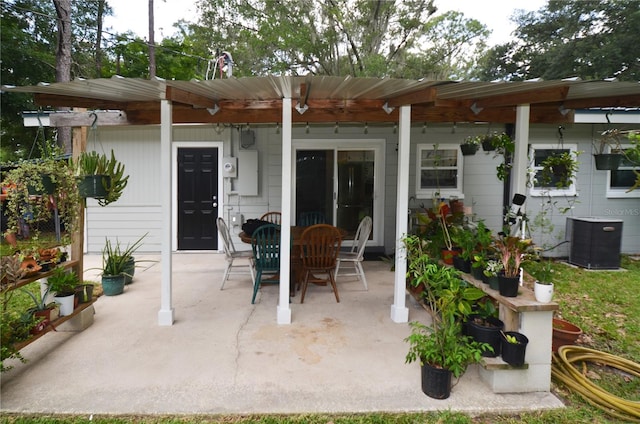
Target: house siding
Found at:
x=138, y=211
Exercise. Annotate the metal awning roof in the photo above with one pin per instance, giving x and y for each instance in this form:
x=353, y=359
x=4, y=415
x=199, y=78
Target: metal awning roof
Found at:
x=334, y=99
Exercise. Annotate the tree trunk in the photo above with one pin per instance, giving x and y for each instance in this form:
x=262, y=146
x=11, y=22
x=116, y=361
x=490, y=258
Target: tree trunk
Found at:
x=63, y=60
x=152, y=44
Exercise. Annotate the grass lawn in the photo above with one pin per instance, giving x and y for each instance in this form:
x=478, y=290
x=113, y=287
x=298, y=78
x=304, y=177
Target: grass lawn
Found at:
x=605, y=304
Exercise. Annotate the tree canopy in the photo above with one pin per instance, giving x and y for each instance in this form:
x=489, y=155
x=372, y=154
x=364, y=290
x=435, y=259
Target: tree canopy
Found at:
x=590, y=39
x=363, y=38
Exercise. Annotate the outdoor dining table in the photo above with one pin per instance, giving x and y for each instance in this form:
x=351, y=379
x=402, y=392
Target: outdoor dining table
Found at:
x=296, y=262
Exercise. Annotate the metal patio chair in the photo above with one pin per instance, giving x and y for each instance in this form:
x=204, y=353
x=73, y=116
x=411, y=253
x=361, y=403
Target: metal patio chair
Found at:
x=231, y=255
x=355, y=256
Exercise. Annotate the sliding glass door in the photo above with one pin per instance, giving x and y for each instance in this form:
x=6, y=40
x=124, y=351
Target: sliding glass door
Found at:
x=338, y=185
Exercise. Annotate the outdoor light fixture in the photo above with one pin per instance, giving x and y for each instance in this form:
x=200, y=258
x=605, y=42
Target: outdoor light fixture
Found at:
x=387, y=108
x=212, y=111
x=301, y=109
x=476, y=109
x=563, y=110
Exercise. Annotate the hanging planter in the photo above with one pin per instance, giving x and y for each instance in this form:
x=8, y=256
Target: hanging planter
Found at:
x=607, y=161
x=94, y=186
x=468, y=149
x=94, y=164
x=46, y=186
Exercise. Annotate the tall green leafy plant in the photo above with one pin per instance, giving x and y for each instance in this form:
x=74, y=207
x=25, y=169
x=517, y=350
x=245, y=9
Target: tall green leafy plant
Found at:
x=450, y=299
x=94, y=163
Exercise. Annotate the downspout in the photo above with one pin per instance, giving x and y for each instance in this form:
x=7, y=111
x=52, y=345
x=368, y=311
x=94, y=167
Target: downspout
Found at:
x=399, y=311
x=166, y=312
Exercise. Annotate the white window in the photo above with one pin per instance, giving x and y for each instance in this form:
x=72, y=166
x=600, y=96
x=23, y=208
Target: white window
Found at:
x=622, y=179
x=439, y=171
x=540, y=186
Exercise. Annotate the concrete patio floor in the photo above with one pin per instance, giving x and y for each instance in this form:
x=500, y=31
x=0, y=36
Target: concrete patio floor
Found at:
x=226, y=356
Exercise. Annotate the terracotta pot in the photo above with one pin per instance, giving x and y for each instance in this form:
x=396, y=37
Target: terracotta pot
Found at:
x=447, y=255
x=564, y=333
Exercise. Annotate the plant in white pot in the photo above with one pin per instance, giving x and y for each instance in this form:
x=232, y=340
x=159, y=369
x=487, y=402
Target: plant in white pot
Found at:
x=63, y=283
x=543, y=286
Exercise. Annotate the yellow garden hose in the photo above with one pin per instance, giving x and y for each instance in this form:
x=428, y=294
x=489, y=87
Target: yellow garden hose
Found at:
x=565, y=372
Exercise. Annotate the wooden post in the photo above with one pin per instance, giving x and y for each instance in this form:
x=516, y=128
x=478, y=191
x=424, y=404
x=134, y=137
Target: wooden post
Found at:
x=79, y=144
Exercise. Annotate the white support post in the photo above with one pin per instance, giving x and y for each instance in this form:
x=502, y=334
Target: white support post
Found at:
x=399, y=310
x=520, y=155
x=166, y=312
x=283, y=309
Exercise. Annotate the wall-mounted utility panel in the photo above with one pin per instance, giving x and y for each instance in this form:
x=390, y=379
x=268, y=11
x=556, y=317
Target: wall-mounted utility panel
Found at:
x=247, y=182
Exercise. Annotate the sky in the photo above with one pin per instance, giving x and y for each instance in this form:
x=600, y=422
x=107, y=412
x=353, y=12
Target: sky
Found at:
x=132, y=15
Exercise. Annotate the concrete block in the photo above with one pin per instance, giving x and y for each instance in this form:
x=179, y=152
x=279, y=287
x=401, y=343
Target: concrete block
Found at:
x=79, y=322
x=537, y=378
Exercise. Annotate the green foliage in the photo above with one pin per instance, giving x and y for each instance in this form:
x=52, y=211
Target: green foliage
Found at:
x=28, y=177
x=559, y=170
x=512, y=252
x=450, y=300
x=62, y=281
x=359, y=38
x=587, y=39
x=115, y=258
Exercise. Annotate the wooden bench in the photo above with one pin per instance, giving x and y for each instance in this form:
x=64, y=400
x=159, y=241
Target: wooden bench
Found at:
x=80, y=318
x=533, y=319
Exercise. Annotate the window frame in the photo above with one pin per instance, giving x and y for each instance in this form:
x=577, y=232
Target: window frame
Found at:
x=533, y=170
x=429, y=193
x=620, y=193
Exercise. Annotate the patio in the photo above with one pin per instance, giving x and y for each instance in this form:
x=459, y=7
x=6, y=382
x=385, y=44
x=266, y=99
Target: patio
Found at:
x=226, y=356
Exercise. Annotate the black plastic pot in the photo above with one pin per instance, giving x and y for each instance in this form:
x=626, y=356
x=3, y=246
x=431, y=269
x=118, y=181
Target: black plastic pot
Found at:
x=607, y=161
x=508, y=286
x=461, y=264
x=487, y=145
x=487, y=332
x=436, y=382
x=513, y=353
x=94, y=186
x=468, y=149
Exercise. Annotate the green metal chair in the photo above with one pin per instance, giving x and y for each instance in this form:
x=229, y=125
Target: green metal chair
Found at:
x=265, y=243
x=307, y=219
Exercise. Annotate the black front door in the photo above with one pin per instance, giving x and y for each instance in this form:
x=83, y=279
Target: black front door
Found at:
x=197, y=198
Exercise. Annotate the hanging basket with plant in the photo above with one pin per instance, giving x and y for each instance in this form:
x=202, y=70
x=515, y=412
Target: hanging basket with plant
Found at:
x=470, y=145
x=28, y=204
x=559, y=170
x=100, y=177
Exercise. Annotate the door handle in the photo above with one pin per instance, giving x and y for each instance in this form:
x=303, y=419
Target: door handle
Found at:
x=215, y=204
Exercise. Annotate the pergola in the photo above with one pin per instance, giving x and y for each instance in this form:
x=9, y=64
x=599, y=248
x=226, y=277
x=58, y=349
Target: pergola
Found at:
x=288, y=100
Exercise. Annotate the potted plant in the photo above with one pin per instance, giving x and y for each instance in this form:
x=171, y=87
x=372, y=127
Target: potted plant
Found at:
x=100, y=177
x=482, y=251
x=603, y=150
x=543, y=286
x=485, y=329
x=512, y=251
x=514, y=347
x=470, y=145
x=559, y=170
x=63, y=284
x=465, y=240
x=442, y=349
x=48, y=311
x=24, y=209
x=116, y=265
x=505, y=147
x=491, y=271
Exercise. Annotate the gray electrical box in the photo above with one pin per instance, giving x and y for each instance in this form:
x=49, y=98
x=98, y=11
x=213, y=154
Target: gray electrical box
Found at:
x=247, y=182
